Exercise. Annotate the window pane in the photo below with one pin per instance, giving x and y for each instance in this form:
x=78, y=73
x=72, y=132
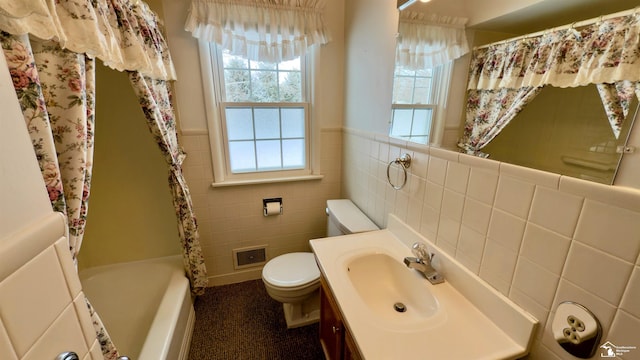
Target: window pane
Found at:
x=290, y=86
x=403, y=90
x=237, y=85
x=267, y=123
x=293, y=154
x=422, y=94
x=233, y=62
x=239, y=124
x=290, y=65
x=419, y=139
x=401, y=124
x=260, y=65
x=268, y=154
x=400, y=70
x=242, y=156
x=256, y=131
x=293, y=122
x=264, y=85
x=421, y=122
x=424, y=72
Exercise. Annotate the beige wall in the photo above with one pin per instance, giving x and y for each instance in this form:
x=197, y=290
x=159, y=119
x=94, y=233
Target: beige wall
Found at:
x=131, y=213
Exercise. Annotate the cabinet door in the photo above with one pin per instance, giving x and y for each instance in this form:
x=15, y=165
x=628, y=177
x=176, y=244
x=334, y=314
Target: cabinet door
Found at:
x=350, y=348
x=331, y=332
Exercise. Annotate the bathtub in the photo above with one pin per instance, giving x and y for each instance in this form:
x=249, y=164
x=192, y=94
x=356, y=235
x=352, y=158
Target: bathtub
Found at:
x=145, y=305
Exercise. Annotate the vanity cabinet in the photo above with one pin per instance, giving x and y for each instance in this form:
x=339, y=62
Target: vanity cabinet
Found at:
x=337, y=342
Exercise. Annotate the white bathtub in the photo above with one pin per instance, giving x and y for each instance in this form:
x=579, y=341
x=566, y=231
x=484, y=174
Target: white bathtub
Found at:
x=145, y=305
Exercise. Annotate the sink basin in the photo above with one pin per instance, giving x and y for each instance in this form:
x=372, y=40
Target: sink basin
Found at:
x=392, y=292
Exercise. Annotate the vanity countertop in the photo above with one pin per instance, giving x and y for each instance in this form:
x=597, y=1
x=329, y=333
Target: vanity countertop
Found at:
x=463, y=318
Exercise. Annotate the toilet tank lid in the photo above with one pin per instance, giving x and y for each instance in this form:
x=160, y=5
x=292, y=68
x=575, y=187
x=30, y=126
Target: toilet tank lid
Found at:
x=349, y=217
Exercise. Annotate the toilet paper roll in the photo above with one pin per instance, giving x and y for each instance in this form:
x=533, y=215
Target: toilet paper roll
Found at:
x=273, y=208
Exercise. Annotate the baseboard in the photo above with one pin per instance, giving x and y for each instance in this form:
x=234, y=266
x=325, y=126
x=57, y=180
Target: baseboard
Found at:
x=235, y=277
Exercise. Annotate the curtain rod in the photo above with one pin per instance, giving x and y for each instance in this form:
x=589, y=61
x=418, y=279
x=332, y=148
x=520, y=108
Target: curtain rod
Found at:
x=568, y=26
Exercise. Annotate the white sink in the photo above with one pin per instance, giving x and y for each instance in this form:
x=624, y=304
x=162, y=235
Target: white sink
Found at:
x=463, y=318
x=390, y=290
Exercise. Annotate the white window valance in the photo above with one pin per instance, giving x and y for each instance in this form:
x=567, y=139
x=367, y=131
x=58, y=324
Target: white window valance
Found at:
x=603, y=52
x=260, y=30
x=124, y=34
x=429, y=40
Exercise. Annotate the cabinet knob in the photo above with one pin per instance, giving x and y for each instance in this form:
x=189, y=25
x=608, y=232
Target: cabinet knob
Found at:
x=335, y=329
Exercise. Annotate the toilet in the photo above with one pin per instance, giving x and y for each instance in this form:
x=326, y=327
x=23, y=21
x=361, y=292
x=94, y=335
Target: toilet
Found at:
x=294, y=279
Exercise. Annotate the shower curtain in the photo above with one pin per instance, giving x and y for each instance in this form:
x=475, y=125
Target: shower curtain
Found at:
x=50, y=49
x=56, y=91
x=155, y=98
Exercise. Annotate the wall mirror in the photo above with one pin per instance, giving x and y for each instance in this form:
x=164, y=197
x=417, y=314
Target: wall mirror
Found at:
x=563, y=130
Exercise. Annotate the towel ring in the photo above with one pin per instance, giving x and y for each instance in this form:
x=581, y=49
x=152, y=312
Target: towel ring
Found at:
x=405, y=161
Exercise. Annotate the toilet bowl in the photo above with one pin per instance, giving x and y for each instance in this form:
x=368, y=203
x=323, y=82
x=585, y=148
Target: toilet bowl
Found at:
x=294, y=278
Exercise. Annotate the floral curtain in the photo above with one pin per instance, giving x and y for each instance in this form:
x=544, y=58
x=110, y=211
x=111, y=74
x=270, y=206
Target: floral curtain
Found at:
x=604, y=52
x=489, y=111
x=259, y=30
x=616, y=99
x=429, y=40
x=56, y=89
x=155, y=99
x=53, y=74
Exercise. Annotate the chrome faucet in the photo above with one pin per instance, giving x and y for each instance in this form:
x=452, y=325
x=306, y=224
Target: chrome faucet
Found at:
x=422, y=263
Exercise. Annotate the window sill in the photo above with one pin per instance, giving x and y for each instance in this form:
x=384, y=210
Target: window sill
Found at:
x=266, y=181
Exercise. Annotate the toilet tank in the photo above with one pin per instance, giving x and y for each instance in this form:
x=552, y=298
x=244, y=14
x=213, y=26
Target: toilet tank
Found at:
x=345, y=218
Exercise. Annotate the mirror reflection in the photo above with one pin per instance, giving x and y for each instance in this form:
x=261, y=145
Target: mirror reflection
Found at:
x=413, y=104
x=565, y=129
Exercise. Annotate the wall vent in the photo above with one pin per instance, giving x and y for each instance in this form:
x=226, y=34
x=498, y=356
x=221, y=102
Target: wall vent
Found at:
x=249, y=256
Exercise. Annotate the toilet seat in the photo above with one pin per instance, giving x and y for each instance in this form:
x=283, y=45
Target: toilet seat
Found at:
x=292, y=271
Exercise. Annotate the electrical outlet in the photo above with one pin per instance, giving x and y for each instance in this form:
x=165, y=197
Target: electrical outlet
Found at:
x=576, y=329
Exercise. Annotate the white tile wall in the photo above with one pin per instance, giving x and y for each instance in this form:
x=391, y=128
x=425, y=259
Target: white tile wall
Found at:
x=42, y=321
x=231, y=217
x=631, y=299
x=545, y=248
x=537, y=237
x=620, y=234
x=482, y=185
x=555, y=210
x=514, y=196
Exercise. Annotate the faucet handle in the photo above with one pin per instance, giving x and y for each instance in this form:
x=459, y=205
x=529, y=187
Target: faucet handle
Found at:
x=419, y=249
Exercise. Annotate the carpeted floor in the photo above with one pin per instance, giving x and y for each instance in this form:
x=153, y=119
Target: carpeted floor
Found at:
x=241, y=322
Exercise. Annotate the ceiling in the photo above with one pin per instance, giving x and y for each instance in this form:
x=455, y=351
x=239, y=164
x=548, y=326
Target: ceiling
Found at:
x=552, y=13
x=518, y=17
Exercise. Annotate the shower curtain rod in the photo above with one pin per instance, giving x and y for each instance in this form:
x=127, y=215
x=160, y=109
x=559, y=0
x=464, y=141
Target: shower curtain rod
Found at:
x=568, y=26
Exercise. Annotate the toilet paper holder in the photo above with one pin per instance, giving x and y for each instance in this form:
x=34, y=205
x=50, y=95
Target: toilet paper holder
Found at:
x=267, y=210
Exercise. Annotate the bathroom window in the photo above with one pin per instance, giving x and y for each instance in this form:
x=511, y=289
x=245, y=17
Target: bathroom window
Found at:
x=415, y=101
x=261, y=116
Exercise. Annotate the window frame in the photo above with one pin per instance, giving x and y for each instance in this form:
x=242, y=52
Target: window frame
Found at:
x=213, y=83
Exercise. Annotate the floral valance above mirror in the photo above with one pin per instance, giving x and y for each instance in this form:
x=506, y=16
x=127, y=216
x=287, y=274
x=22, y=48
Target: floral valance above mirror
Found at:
x=505, y=76
x=604, y=52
